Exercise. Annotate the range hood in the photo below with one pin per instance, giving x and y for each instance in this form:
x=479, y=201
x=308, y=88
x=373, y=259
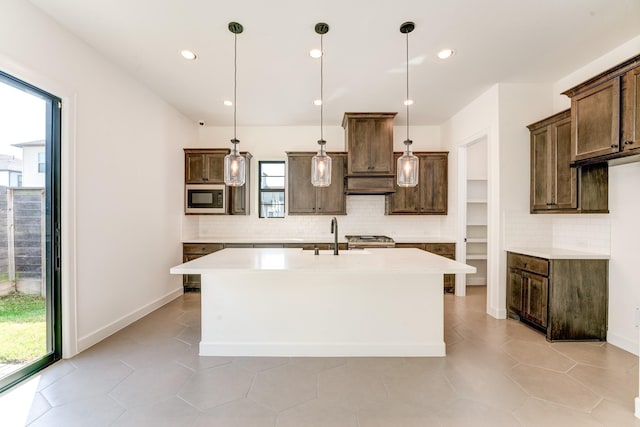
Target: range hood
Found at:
x=369, y=146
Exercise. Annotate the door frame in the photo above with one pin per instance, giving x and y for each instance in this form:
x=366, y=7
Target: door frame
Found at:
x=68, y=239
x=53, y=124
x=461, y=246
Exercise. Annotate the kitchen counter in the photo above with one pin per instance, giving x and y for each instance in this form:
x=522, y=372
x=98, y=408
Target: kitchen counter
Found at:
x=558, y=253
x=321, y=239
x=356, y=260
x=263, y=240
x=290, y=302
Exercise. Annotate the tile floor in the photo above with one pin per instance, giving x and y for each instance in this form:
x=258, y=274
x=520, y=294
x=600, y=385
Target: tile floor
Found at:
x=496, y=373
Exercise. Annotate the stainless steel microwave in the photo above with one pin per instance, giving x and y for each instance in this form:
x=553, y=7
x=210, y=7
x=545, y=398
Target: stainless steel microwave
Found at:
x=205, y=199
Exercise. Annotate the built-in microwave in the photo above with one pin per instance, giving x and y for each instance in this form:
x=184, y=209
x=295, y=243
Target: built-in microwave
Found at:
x=205, y=199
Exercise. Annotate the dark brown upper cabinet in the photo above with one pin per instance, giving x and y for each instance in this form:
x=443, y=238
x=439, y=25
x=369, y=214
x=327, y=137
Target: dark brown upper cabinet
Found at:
x=369, y=144
x=204, y=166
x=240, y=197
x=555, y=186
x=553, y=180
x=605, y=117
x=303, y=197
x=430, y=196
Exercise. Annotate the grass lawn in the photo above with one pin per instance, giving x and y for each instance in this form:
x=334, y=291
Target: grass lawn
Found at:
x=22, y=328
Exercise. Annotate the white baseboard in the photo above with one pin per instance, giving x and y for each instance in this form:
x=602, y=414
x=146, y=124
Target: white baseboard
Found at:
x=322, y=349
x=623, y=343
x=95, y=337
x=497, y=313
x=637, y=407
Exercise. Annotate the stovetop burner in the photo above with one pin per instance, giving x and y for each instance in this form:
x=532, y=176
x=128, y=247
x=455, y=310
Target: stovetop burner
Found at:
x=369, y=241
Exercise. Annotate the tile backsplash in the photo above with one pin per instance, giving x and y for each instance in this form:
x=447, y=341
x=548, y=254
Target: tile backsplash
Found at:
x=365, y=216
x=588, y=233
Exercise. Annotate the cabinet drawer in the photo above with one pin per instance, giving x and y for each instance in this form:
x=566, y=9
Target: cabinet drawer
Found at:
x=201, y=248
x=447, y=250
x=528, y=263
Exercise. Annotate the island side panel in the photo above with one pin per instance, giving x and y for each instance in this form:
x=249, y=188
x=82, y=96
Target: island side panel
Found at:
x=322, y=313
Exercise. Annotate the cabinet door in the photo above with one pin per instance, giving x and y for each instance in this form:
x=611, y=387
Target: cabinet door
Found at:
x=535, y=299
x=434, y=185
x=214, y=166
x=331, y=200
x=564, y=192
x=240, y=203
x=514, y=292
x=631, y=119
x=370, y=145
x=541, y=170
x=301, y=194
x=194, y=168
x=596, y=121
x=405, y=200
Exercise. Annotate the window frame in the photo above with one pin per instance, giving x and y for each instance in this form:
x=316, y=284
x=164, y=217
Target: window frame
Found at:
x=261, y=190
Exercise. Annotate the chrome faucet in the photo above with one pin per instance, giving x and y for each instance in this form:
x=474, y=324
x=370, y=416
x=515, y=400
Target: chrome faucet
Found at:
x=334, y=231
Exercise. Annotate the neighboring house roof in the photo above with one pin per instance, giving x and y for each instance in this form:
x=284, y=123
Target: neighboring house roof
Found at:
x=10, y=163
x=37, y=143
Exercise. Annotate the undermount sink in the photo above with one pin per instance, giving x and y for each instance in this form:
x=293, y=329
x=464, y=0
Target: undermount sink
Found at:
x=342, y=252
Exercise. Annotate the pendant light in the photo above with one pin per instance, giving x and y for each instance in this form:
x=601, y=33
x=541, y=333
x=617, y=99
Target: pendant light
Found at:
x=407, y=167
x=234, y=163
x=321, y=163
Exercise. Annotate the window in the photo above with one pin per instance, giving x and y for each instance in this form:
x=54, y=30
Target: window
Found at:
x=271, y=189
x=41, y=162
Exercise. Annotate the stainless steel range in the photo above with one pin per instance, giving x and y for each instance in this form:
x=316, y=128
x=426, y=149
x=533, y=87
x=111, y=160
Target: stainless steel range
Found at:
x=361, y=242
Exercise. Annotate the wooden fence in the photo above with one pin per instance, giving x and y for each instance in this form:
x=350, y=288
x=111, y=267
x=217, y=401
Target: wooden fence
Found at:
x=22, y=240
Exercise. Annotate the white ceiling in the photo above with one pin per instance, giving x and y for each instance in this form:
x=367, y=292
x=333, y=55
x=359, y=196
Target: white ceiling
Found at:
x=495, y=41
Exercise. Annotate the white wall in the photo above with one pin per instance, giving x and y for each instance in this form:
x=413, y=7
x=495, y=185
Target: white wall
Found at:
x=365, y=213
x=122, y=168
x=610, y=232
x=479, y=119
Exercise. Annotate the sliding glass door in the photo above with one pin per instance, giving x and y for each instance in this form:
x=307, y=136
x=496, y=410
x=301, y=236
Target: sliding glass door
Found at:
x=30, y=312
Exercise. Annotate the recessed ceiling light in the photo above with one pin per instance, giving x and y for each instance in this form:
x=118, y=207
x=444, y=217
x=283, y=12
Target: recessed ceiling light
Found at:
x=315, y=53
x=446, y=53
x=187, y=54
x=408, y=102
x=317, y=102
x=228, y=103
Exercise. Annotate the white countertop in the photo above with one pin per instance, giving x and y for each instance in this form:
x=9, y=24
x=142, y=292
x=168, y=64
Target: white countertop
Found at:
x=325, y=239
x=558, y=253
x=321, y=239
x=369, y=260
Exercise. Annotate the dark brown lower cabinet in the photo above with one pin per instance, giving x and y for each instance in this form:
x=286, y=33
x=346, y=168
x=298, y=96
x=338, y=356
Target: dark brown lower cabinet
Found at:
x=564, y=298
x=191, y=251
x=447, y=250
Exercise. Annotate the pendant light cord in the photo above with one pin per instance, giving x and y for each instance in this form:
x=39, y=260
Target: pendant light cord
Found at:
x=235, y=85
x=407, y=99
x=321, y=90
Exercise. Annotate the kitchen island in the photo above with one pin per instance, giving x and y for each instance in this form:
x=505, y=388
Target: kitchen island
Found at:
x=290, y=302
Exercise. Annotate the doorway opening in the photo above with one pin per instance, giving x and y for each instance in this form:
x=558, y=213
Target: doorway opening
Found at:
x=473, y=208
x=30, y=294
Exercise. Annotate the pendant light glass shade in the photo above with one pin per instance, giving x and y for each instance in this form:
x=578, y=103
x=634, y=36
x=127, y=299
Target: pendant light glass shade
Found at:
x=234, y=163
x=321, y=168
x=234, y=167
x=408, y=166
x=321, y=163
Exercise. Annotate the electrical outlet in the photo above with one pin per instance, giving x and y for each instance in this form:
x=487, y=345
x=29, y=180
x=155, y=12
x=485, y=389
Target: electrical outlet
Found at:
x=637, y=317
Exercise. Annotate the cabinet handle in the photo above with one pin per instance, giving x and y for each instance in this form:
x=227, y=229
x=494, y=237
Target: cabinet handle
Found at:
x=524, y=264
x=614, y=145
x=205, y=178
x=628, y=142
